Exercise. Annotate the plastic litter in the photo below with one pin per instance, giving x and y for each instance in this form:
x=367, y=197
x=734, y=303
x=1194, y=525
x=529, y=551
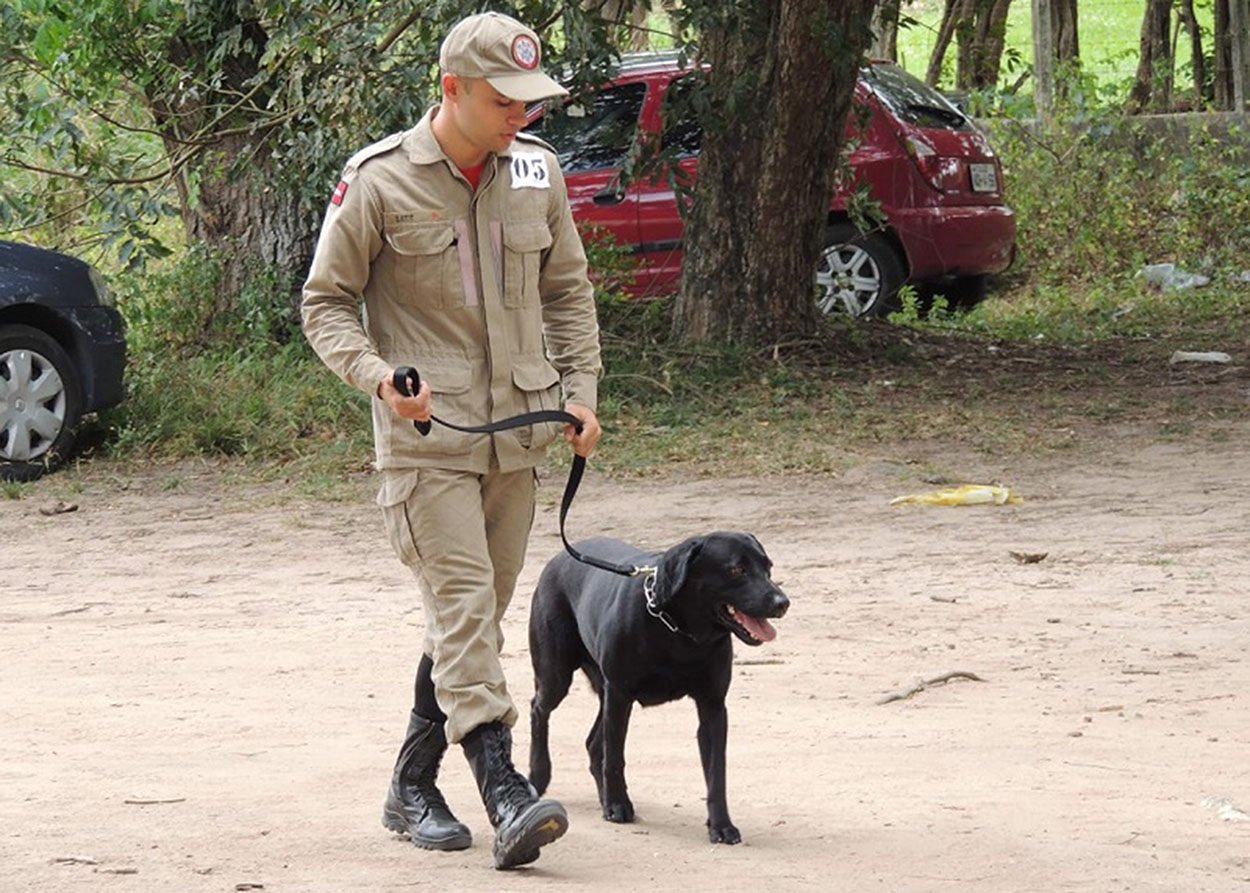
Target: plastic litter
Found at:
x=965, y=494
x=1226, y=809
x=1169, y=277
x=1200, y=356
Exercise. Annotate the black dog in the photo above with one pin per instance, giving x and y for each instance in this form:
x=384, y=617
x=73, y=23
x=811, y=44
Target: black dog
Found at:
x=649, y=640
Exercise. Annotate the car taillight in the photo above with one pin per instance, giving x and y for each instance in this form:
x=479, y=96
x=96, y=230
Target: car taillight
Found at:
x=943, y=173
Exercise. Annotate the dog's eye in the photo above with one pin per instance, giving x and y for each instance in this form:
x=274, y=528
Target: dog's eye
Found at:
x=737, y=571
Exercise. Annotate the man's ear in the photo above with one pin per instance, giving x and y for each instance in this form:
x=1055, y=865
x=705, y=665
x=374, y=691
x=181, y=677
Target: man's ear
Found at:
x=452, y=86
x=672, y=570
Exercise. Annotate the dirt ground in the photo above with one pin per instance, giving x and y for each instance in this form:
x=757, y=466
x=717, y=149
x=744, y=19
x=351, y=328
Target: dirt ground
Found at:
x=206, y=680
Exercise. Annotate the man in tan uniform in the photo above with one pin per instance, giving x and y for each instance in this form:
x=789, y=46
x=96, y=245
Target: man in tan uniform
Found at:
x=458, y=236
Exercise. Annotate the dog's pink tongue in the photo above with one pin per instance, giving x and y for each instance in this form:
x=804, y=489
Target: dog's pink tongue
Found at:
x=756, y=626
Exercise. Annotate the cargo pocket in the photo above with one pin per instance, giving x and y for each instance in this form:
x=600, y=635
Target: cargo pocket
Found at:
x=427, y=267
x=398, y=526
x=524, y=242
x=541, y=383
x=450, y=393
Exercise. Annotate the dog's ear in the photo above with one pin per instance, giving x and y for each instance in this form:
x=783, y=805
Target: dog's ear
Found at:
x=672, y=570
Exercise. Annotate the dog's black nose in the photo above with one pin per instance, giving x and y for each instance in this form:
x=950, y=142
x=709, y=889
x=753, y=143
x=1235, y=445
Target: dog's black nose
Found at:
x=780, y=604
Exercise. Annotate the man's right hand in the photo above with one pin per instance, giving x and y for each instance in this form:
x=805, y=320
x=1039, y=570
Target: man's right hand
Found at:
x=417, y=409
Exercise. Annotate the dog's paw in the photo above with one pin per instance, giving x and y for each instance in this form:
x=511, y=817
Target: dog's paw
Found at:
x=621, y=811
x=725, y=833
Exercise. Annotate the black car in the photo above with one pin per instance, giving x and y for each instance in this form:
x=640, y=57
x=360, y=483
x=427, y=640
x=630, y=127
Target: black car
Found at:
x=62, y=354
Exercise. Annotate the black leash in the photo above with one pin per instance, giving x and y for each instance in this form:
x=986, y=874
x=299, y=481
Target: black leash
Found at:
x=408, y=381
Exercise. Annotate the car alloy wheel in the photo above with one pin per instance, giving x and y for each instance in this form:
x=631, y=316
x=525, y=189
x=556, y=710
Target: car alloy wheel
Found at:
x=858, y=274
x=40, y=403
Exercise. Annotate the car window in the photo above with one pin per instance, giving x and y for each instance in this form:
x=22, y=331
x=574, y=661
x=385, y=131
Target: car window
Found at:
x=589, y=138
x=683, y=134
x=912, y=100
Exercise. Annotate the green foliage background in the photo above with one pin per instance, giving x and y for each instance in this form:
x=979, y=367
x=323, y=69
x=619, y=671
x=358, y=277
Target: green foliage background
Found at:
x=1096, y=198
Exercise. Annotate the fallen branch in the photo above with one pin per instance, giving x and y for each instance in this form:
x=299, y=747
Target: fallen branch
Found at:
x=136, y=802
x=928, y=683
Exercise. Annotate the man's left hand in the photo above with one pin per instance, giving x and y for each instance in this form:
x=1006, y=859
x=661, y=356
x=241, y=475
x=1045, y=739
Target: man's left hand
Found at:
x=584, y=443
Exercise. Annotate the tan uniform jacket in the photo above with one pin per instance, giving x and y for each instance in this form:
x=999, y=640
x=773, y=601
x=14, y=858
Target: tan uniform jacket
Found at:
x=485, y=293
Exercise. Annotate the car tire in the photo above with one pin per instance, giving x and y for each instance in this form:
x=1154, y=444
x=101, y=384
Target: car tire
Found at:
x=40, y=403
x=967, y=291
x=858, y=273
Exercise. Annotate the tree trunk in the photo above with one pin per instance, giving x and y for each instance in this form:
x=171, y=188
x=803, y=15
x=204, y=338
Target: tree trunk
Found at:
x=226, y=195
x=979, y=28
x=885, y=31
x=1152, y=90
x=783, y=76
x=945, y=34
x=1064, y=23
x=1065, y=50
x=630, y=19
x=982, y=39
x=1222, y=50
x=1190, y=21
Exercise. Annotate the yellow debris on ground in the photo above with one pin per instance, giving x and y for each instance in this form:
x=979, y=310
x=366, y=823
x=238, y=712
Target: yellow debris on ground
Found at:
x=965, y=494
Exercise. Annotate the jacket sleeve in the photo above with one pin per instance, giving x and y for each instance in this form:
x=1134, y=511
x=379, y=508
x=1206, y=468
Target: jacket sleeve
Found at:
x=351, y=237
x=570, y=324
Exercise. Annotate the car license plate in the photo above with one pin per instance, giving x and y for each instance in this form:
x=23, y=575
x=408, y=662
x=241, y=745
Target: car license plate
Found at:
x=984, y=179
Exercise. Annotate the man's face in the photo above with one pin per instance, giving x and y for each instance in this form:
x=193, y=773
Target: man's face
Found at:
x=485, y=117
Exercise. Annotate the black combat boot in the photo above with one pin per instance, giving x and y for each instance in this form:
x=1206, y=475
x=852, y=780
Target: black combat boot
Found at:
x=414, y=805
x=522, y=822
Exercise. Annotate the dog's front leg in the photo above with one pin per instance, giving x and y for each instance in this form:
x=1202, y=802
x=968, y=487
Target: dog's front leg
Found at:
x=713, y=737
x=615, y=709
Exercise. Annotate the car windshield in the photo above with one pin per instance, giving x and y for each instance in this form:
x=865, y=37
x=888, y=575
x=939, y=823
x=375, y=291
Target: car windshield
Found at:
x=596, y=136
x=913, y=100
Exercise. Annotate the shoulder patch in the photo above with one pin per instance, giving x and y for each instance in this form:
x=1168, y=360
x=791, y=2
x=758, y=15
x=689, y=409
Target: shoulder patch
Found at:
x=382, y=146
x=537, y=141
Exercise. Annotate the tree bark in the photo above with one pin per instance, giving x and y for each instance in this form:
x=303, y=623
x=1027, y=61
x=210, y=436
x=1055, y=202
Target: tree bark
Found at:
x=782, y=75
x=945, y=34
x=1190, y=21
x=1222, y=51
x=979, y=28
x=885, y=31
x=1152, y=89
x=1063, y=17
x=226, y=195
x=982, y=38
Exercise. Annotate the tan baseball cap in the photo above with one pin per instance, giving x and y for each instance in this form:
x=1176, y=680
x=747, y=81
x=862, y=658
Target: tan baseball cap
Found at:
x=500, y=49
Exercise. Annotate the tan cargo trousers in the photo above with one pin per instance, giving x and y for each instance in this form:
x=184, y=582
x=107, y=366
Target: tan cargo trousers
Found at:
x=464, y=537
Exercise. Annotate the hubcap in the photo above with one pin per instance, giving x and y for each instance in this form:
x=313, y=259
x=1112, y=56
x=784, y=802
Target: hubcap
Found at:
x=32, y=405
x=847, y=280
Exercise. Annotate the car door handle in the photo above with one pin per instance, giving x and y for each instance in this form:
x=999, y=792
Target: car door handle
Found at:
x=612, y=194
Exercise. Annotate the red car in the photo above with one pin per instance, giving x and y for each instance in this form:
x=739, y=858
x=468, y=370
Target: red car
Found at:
x=933, y=172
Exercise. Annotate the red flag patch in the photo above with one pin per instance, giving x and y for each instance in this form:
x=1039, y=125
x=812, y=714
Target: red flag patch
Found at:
x=339, y=191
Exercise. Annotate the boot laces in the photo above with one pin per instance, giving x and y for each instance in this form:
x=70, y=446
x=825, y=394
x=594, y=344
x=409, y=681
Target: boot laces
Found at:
x=513, y=790
x=428, y=790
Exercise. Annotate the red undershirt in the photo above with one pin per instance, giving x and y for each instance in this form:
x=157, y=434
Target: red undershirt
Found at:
x=474, y=174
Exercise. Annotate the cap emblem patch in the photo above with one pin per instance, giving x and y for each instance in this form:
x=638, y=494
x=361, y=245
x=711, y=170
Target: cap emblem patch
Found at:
x=525, y=51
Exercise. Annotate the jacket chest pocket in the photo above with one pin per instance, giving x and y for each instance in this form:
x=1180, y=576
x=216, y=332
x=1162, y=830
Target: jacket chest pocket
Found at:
x=524, y=242
x=427, y=267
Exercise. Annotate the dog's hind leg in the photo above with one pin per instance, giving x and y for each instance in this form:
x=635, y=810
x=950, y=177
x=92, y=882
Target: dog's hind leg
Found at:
x=555, y=651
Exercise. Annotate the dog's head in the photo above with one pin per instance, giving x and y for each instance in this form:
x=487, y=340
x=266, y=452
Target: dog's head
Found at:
x=720, y=582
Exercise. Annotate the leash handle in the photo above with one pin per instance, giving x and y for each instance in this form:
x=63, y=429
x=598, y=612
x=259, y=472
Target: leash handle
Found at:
x=407, y=381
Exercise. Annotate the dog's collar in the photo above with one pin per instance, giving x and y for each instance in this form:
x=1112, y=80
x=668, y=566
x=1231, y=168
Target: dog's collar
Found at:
x=648, y=589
